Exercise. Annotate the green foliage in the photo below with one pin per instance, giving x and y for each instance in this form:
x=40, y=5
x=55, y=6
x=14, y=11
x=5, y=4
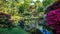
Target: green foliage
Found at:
x=21, y=9
x=40, y=9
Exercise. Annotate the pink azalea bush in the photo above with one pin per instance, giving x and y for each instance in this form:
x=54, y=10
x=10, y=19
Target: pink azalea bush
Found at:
x=53, y=19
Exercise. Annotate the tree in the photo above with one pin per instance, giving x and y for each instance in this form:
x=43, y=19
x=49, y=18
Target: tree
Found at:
x=47, y=2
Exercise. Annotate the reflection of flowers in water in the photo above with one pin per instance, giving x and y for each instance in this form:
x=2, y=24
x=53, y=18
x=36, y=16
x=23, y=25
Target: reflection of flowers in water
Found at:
x=5, y=15
x=53, y=19
x=5, y=18
x=10, y=20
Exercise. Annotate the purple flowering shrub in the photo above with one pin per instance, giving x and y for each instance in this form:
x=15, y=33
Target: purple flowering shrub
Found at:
x=53, y=19
x=5, y=19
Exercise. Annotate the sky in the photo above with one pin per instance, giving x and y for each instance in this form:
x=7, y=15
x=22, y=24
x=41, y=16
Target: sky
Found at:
x=35, y=0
